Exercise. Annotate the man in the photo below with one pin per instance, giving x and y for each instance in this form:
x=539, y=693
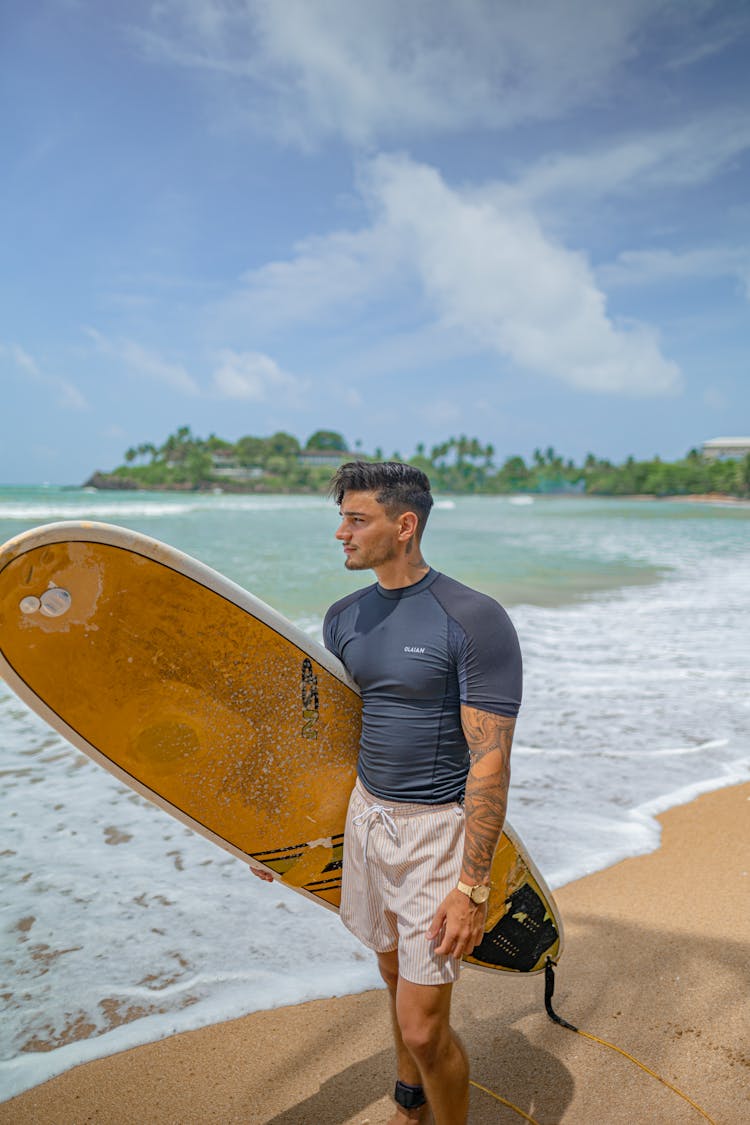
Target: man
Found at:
x=439, y=669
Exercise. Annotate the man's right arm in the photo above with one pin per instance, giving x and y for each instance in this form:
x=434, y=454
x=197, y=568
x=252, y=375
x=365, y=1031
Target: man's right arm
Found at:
x=459, y=923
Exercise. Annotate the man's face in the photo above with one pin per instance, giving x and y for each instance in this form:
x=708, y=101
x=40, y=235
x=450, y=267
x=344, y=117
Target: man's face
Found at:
x=369, y=535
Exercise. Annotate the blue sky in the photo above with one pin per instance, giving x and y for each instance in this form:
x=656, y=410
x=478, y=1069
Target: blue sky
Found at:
x=526, y=222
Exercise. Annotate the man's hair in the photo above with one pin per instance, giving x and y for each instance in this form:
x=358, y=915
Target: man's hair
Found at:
x=398, y=487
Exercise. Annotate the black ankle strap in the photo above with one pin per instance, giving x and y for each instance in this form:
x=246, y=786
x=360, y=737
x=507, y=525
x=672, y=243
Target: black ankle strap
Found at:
x=409, y=1097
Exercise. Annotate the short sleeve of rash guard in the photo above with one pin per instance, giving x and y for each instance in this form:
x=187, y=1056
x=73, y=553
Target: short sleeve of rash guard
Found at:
x=488, y=655
x=331, y=631
x=329, y=638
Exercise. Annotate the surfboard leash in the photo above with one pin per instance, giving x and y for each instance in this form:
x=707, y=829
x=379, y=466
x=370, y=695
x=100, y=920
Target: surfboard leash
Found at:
x=504, y=1101
x=549, y=990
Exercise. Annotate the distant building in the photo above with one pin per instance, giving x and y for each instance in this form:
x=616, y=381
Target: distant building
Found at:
x=225, y=464
x=722, y=448
x=326, y=458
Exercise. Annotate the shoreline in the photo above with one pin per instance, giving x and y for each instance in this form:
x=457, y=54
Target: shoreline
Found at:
x=655, y=956
x=232, y=488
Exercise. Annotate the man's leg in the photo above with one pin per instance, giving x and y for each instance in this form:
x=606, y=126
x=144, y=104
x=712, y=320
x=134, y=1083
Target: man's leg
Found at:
x=406, y=1068
x=428, y=1050
x=423, y=1013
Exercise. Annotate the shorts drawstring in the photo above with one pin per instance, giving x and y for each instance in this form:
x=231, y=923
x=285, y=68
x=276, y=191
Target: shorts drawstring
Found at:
x=368, y=817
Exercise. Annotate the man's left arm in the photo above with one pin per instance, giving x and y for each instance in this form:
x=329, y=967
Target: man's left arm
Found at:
x=459, y=922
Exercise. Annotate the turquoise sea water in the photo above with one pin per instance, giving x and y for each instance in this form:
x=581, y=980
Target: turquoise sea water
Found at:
x=120, y=926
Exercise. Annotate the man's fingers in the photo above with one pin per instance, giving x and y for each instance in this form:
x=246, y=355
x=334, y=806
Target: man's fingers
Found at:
x=462, y=931
x=453, y=942
x=457, y=949
x=445, y=949
x=437, y=924
x=456, y=945
x=452, y=946
x=261, y=874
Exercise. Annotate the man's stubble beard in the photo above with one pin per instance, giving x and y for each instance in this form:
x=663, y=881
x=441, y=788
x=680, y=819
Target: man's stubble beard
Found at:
x=372, y=559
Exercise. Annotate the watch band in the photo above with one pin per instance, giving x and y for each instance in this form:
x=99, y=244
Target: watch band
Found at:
x=478, y=894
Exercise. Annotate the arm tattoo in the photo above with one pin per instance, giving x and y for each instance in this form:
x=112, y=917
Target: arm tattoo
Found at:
x=489, y=738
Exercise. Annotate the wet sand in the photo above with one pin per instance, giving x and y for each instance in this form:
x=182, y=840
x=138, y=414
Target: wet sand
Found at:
x=656, y=961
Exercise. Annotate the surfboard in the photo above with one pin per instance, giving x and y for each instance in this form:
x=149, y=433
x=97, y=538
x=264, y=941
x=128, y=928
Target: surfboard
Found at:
x=212, y=705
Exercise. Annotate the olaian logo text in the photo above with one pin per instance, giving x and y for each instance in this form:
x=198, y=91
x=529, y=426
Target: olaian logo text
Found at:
x=412, y=648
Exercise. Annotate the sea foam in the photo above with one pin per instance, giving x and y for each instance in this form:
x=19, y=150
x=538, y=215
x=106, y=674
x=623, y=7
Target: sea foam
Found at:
x=121, y=926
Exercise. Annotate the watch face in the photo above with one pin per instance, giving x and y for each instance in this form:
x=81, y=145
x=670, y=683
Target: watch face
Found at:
x=480, y=894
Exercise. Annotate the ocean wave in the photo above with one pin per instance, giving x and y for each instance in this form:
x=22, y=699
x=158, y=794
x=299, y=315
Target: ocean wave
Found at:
x=42, y=512
x=154, y=509
x=635, y=700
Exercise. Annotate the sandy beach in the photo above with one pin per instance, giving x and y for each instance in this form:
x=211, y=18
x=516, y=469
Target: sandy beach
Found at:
x=656, y=961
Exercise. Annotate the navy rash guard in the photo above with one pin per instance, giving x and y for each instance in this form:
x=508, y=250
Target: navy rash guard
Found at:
x=416, y=655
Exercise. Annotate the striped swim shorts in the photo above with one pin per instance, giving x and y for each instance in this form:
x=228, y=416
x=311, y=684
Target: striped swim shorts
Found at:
x=400, y=861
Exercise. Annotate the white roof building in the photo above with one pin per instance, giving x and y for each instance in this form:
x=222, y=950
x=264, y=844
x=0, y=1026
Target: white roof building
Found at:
x=224, y=463
x=327, y=458
x=725, y=447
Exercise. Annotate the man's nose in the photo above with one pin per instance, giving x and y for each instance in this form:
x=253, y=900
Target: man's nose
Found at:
x=341, y=531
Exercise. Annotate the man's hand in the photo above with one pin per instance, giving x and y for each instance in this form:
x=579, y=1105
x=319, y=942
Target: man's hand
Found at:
x=266, y=876
x=458, y=925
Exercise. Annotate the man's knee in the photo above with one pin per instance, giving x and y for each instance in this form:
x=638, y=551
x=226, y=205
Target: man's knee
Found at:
x=423, y=1019
x=426, y=1038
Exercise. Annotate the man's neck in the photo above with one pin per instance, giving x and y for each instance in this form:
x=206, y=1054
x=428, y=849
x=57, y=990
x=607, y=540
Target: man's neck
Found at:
x=398, y=573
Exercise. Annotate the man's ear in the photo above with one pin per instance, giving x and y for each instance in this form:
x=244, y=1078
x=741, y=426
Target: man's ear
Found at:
x=408, y=526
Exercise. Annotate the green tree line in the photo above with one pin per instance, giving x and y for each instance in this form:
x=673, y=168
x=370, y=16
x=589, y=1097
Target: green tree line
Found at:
x=459, y=464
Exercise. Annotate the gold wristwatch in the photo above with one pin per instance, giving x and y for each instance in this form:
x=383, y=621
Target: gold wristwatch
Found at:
x=478, y=894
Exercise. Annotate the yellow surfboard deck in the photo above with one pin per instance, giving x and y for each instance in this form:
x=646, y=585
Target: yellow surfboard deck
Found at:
x=210, y=704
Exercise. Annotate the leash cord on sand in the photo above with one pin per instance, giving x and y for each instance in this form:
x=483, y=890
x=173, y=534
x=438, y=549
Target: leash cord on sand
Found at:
x=504, y=1101
x=549, y=988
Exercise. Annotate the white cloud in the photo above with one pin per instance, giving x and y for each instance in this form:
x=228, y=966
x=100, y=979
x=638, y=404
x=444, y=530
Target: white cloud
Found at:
x=143, y=362
x=308, y=69
x=726, y=30
x=67, y=394
x=650, y=267
x=341, y=268
x=254, y=377
x=678, y=157
x=23, y=360
x=494, y=275
x=485, y=270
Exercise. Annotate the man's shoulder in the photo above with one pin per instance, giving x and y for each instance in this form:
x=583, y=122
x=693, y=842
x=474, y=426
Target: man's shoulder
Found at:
x=348, y=599
x=452, y=593
x=476, y=613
